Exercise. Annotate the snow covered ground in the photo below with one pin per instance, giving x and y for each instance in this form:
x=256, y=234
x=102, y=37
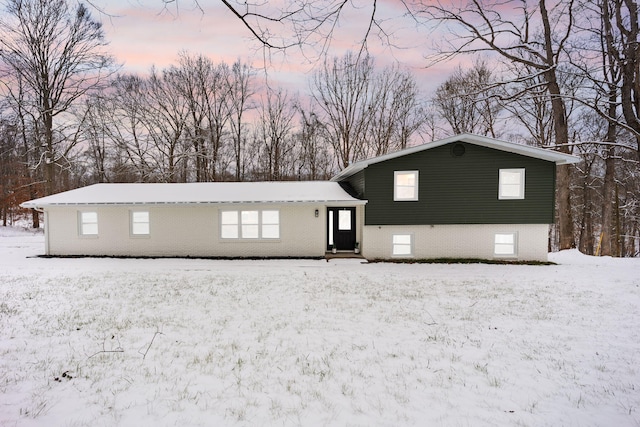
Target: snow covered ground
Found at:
x=128, y=342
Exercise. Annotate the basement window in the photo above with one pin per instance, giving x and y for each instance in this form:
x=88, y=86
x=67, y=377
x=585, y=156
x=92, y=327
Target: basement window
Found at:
x=402, y=245
x=505, y=244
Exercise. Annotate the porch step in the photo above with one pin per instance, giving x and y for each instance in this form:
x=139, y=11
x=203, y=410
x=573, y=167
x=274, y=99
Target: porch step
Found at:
x=346, y=254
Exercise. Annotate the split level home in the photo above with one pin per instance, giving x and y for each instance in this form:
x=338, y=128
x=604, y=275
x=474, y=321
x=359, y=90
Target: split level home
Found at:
x=466, y=196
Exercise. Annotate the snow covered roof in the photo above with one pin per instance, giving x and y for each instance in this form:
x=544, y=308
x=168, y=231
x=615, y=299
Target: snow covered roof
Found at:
x=199, y=193
x=484, y=141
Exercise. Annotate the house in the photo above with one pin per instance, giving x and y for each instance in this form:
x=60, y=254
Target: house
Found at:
x=466, y=196
x=226, y=219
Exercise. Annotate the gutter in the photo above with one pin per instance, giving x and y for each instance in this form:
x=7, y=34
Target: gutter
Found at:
x=264, y=202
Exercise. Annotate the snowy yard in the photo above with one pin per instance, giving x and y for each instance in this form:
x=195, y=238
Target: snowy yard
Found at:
x=127, y=342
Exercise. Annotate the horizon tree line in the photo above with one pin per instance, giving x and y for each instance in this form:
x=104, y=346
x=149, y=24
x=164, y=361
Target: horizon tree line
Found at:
x=564, y=77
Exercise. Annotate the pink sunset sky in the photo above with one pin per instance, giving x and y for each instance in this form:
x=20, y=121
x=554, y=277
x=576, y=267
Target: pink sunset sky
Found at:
x=144, y=33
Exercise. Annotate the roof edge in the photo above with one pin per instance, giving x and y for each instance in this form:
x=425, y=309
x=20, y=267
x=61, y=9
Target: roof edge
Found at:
x=540, y=153
x=336, y=202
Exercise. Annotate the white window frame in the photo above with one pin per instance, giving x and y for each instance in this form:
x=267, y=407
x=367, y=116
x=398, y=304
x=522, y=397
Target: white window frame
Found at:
x=139, y=228
x=505, y=189
x=397, y=245
x=86, y=224
x=268, y=228
x=263, y=228
x=250, y=224
x=229, y=228
x=397, y=196
x=505, y=249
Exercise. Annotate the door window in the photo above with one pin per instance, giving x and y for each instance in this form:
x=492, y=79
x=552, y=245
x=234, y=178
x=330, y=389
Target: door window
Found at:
x=344, y=220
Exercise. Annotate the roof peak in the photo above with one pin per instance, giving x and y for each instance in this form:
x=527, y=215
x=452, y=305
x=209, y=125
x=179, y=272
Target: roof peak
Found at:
x=484, y=141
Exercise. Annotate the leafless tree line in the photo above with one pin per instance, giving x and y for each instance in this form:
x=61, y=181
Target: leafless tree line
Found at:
x=68, y=119
x=572, y=86
x=562, y=75
x=200, y=121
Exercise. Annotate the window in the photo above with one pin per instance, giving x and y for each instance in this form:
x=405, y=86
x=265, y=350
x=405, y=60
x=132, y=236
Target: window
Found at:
x=511, y=184
x=89, y=223
x=344, y=220
x=229, y=225
x=402, y=245
x=140, y=223
x=250, y=224
x=405, y=185
x=270, y=224
x=505, y=244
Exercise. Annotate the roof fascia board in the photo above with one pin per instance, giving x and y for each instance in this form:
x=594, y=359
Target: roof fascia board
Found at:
x=336, y=202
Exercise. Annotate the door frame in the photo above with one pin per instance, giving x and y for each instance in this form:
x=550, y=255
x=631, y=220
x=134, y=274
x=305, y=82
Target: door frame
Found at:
x=344, y=240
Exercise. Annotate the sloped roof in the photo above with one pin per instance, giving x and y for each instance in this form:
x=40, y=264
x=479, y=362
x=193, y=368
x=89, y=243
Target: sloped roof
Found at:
x=199, y=193
x=483, y=141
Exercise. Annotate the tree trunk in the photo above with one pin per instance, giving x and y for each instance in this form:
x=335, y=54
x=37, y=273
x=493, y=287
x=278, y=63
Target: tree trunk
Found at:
x=586, y=243
x=608, y=195
x=49, y=157
x=561, y=129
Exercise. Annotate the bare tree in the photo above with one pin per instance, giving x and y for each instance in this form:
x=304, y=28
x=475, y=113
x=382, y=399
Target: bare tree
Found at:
x=58, y=53
x=13, y=188
x=622, y=35
x=275, y=131
x=205, y=87
x=166, y=119
x=126, y=109
x=341, y=92
x=99, y=146
x=314, y=159
x=467, y=100
x=366, y=112
x=531, y=35
x=241, y=90
x=309, y=25
x=397, y=111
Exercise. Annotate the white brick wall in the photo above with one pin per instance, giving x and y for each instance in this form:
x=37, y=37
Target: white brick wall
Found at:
x=194, y=231
x=186, y=231
x=457, y=241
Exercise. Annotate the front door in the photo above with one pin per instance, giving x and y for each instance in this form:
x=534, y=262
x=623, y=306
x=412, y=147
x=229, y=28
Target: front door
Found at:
x=341, y=228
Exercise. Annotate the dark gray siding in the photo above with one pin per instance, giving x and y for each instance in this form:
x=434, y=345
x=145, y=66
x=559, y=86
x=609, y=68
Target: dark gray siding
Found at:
x=355, y=185
x=459, y=190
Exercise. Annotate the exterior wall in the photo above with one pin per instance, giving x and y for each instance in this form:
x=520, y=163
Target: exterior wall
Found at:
x=457, y=241
x=458, y=190
x=185, y=231
x=355, y=185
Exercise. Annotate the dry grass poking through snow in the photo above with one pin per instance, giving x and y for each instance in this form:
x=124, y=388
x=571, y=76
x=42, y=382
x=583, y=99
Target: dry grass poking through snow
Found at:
x=188, y=342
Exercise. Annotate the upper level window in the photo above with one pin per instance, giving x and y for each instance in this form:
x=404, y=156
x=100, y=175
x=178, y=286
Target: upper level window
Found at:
x=250, y=224
x=89, y=223
x=140, y=223
x=405, y=185
x=511, y=184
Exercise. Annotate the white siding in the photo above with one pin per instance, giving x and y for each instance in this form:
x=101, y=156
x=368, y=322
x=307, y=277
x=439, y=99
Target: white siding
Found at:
x=457, y=241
